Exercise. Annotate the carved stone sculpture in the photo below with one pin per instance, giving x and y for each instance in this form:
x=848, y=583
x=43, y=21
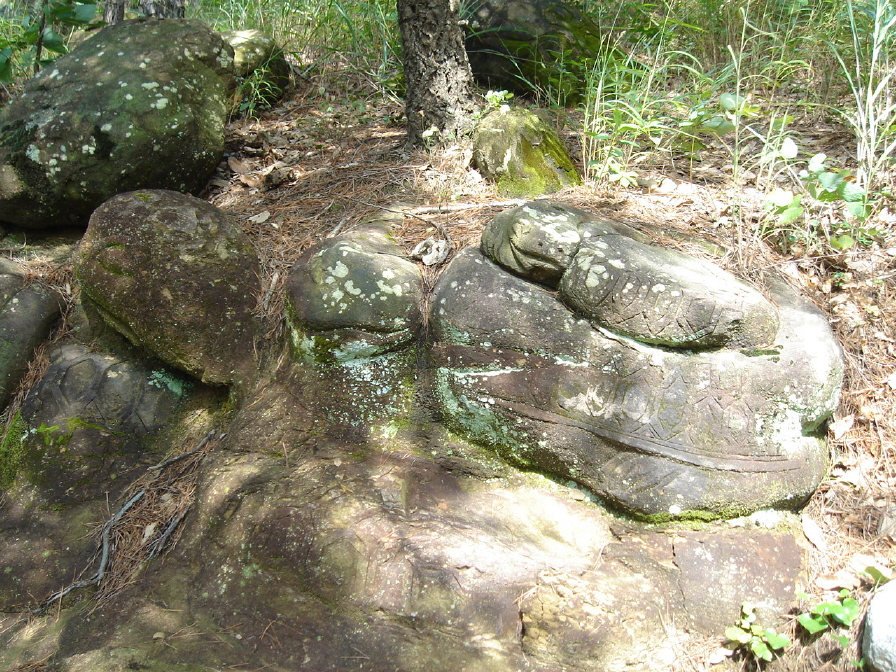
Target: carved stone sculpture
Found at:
x=660, y=382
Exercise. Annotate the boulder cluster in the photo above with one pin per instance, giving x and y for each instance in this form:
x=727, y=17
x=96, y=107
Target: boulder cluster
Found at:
x=447, y=473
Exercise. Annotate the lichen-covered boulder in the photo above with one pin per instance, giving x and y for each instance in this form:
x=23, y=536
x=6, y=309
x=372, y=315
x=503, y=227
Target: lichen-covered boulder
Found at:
x=522, y=153
x=262, y=73
x=27, y=314
x=354, y=297
x=655, y=430
x=141, y=104
x=91, y=419
x=533, y=45
x=177, y=277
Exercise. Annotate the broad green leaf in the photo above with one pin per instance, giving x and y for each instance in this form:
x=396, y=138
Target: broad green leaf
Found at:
x=790, y=215
x=776, y=640
x=789, y=150
x=851, y=192
x=736, y=634
x=760, y=649
x=816, y=163
x=53, y=41
x=812, y=623
x=842, y=640
x=781, y=123
x=781, y=198
x=718, y=125
x=84, y=13
x=731, y=101
x=6, y=66
x=871, y=571
x=848, y=613
x=831, y=181
x=840, y=243
x=861, y=211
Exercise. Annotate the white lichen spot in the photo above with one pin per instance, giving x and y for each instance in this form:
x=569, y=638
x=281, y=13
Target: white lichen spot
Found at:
x=149, y=86
x=616, y=263
x=351, y=289
x=160, y=104
x=388, y=274
x=340, y=270
x=674, y=510
x=128, y=96
x=658, y=287
x=33, y=153
x=105, y=128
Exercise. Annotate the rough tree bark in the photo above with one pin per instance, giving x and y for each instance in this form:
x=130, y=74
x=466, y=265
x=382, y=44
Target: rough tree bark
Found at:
x=436, y=70
x=113, y=11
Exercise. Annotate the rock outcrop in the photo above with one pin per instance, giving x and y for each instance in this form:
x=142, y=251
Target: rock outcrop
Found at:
x=141, y=104
x=362, y=505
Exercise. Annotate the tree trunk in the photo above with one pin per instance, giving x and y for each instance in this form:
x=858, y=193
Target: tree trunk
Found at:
x=436, y=70
x=113, y=12
x=166, y=9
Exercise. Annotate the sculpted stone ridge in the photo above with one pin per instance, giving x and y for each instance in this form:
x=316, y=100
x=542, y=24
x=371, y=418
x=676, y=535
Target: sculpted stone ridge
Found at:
x=83, y=128
x=700, y=397
x=652, y=294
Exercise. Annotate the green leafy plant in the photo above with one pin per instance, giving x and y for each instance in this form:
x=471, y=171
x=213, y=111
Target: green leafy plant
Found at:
x=43, y=33
x=832, y=615
x=828, y=194
x=870, y=75
x=760, y=642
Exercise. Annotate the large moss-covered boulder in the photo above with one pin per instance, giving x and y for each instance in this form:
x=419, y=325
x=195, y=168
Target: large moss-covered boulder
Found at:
x=521, y=152
x=656, y=295
x=91, y=420
x=142, y=104
x=534, y=45
x=177, y=277
x=353, y=297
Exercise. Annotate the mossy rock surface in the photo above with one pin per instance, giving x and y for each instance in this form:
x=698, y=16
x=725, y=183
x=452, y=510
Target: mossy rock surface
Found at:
x=521, y=152
x=141, y=104
x=261, y=71
x=545, y=46
x=177, y=277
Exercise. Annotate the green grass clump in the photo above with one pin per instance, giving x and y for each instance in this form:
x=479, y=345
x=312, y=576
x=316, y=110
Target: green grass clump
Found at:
x=11, y=450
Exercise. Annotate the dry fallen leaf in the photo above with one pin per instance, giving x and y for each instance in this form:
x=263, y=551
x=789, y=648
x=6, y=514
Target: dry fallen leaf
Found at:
x=842, y=425
x=237, y=166
x=260, y=218
x=842, y=579
x=814, y=533
x=891, y=381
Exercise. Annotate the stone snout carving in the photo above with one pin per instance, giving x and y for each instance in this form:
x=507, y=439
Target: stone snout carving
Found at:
x=568, y=345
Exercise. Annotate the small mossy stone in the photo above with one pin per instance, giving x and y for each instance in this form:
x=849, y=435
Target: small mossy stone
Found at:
x=522, y=153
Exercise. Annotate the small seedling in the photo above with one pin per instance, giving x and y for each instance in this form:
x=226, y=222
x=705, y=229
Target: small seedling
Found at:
x=762, y=642
x=830, y=615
